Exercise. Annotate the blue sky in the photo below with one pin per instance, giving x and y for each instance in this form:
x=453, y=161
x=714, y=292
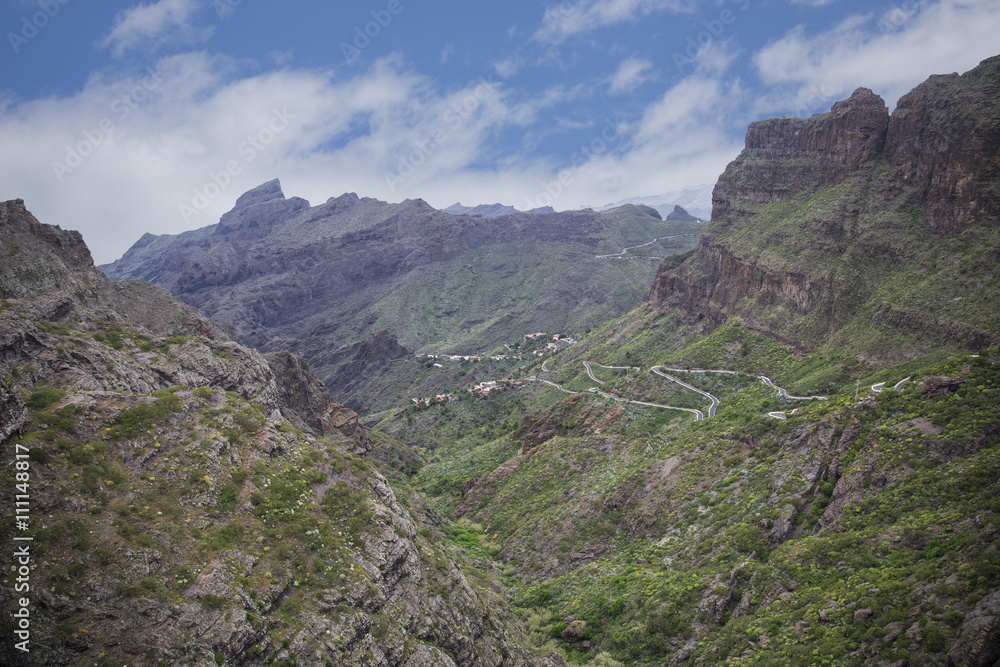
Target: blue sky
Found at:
x=119, y=118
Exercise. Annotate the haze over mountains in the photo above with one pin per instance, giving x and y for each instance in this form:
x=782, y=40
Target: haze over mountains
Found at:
x=772, y=440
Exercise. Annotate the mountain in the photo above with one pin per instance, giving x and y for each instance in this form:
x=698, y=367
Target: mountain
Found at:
x=788, y=455
x=858, y=229
x=680, y=215
x=314, y=280
x=491, y=210
x=696, y=199
x=195, y=502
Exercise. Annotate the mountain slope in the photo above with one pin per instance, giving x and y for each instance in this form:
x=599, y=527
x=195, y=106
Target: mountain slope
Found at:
x=858, y=230
x=313, y=280
x=847, y=518
x=193, y=501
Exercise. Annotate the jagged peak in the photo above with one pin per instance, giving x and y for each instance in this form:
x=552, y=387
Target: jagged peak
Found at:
x=262, y=193
x=68, y=244
x=680, y=214
x=346, y=198
x=861, y=98
x=418, y=204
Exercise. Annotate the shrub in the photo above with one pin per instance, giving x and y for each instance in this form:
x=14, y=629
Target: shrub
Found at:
x=228, y=498
x=934, y=639
x=225, y=536
x=133, y=421
x=44, y=398
x=39, y=455
x=210, y=601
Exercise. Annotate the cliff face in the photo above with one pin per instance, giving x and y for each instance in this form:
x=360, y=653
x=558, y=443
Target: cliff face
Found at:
x=944, y=143
x=821, y=224
x=787, y=156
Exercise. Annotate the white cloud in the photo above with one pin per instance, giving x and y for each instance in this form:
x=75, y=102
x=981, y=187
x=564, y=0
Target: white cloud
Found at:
x=123, y=156
x=446, y=53
x=573, y=17
x=631, y=74
x=682, y=138
x=281, y=57
x=889, y=53
x=507, y=67
x=150, y=25
x=131, y=152
x=813, y=3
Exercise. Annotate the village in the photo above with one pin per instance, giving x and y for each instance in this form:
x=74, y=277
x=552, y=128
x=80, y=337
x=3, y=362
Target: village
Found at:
x=530, y=345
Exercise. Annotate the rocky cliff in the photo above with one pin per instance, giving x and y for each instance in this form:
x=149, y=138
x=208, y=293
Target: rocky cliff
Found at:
x=822, y=224
x=196, y=502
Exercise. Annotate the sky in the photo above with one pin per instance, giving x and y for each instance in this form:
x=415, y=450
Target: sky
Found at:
x=120, y=118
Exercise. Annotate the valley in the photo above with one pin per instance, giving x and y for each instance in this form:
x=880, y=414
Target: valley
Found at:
x=320, y=435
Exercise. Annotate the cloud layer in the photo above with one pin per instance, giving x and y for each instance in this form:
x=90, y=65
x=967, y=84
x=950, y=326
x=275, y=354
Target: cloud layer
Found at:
x=171, y=146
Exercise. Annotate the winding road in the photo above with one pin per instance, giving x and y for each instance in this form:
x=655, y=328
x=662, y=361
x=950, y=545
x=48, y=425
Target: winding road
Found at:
x=699, y=415
x=660, y=370
x=593, y=377
x=784, y=394
x=715, y=401
x=624, y=253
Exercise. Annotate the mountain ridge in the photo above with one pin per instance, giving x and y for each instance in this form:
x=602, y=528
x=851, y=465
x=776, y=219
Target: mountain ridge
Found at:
x=314, y=280
x=816, y=226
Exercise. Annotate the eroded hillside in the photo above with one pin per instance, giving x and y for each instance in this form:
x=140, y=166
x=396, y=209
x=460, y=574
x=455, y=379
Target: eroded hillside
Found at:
x=191, y=501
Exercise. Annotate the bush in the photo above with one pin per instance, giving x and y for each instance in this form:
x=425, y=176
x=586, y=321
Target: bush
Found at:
x=228, y=498
x=934, y=639
x=44, y=398
x=225, y=536
x=210, y=601
x=39, y=455
x=203, y=392
x=133, y=421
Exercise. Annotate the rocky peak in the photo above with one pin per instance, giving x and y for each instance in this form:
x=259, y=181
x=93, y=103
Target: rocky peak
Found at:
x=871, y=182
x=262, y=193
x=852, y=133
x=382, y=347
x=259, y=210
x=650, y=211
x=786, y=156
x=944, y=146
x=679, y=214
x=16, y=220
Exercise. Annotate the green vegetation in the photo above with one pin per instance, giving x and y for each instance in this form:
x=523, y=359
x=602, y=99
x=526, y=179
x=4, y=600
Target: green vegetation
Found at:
x=133, y=421
x=44, y=397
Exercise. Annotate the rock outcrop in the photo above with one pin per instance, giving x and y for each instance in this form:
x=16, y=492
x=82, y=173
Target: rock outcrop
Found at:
x=822, y=221
x=680, y=215
x=788, y=156
x=13, y=412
